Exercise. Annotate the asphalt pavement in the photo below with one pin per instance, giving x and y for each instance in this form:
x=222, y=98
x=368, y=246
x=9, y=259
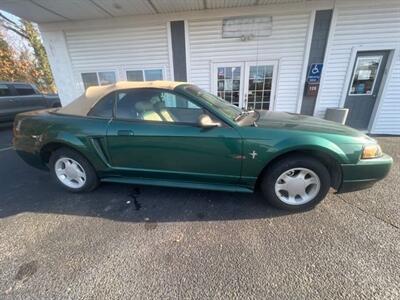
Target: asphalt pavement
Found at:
x=134, y=242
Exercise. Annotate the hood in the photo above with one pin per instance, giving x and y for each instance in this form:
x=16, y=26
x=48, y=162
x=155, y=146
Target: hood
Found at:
x=289, y=121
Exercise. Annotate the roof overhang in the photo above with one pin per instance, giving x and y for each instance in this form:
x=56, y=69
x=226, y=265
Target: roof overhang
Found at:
x=48, y=11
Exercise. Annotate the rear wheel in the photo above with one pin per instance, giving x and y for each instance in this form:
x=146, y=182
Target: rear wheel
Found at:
x=72, y=171
x=296, y=183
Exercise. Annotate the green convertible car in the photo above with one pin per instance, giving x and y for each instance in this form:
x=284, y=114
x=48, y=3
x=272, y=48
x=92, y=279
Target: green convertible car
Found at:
x=175, y=134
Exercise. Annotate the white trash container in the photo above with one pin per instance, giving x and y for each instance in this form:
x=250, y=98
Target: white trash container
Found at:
x=337, y=114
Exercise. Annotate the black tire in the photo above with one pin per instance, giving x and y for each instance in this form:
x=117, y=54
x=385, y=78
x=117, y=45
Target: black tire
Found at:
x=273, y=172
x=92, y=180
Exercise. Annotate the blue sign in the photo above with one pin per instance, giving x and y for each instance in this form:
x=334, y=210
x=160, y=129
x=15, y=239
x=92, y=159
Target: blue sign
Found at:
x=314, y=74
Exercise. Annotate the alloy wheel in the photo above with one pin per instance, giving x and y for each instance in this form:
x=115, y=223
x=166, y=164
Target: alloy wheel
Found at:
x=297, y=186
x=70, y=172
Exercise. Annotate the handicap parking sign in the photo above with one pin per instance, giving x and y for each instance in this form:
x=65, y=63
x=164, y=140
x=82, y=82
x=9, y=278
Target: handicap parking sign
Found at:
x=314, y=74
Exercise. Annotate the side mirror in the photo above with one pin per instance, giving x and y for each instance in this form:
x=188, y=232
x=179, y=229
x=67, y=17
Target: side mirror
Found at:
x=206, y=122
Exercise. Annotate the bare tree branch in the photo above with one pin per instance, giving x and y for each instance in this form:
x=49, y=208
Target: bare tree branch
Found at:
x=22, y=34
x=8, y=20
x=13, y=26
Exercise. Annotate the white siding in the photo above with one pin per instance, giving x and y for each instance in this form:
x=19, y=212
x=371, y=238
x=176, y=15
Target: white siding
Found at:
x=374, y=24
x=286, y=45
x=118, y=49
x=388, y=116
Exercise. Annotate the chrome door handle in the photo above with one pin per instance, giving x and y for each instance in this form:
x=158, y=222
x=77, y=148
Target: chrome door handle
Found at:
x=125, y=132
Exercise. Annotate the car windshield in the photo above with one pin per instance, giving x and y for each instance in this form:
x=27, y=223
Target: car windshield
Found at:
x=227, y=109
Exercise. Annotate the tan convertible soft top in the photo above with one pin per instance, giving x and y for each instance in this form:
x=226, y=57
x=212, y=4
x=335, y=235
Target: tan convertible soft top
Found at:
x=83, y=104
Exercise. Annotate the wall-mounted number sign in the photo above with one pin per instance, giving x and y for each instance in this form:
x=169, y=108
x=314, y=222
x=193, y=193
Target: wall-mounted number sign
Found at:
x=312, y=89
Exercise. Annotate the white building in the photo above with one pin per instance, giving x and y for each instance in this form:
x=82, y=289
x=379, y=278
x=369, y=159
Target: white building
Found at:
x=255, y=53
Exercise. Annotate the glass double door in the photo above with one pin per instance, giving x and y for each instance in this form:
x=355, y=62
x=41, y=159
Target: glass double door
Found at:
x=249, y=85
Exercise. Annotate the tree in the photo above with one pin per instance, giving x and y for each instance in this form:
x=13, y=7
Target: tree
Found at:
x=14, y=66
x=43, y=65
x=7, y=66
x=30, y=32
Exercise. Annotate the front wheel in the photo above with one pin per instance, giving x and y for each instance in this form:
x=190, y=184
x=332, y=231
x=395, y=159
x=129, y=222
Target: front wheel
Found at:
x=296, y=183
x=72, y=171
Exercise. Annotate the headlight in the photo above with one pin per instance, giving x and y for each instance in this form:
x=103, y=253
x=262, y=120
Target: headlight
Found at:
x=371, y=151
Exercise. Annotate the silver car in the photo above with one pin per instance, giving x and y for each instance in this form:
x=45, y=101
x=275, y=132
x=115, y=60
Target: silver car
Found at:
x=17, y=97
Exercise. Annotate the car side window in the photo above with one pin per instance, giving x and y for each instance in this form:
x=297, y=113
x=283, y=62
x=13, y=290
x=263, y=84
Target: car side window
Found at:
x=24, y=89
x=157, y=106
x=4, y=90
x=104, y=107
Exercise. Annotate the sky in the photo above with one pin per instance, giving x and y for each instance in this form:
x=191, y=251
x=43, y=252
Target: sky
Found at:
x=14, y=39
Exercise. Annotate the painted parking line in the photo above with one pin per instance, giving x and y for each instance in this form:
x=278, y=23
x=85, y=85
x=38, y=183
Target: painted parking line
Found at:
x=5, y=149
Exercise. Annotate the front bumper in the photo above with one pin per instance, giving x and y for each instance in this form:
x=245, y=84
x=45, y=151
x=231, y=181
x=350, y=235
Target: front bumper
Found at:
x=364, y=174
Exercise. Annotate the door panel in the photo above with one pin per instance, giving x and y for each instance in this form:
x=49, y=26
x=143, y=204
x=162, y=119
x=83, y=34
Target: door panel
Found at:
x=8, y=109
x=8, y=106
x=155, y=135
x=32, y=102
x=28, y=98
x=365, y=83
x=175, y=151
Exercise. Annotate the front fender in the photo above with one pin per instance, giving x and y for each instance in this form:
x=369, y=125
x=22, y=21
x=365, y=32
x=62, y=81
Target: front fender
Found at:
x=269, y=149
x=315, y=143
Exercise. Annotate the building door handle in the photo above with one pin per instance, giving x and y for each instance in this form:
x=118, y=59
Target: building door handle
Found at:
x=125, y=132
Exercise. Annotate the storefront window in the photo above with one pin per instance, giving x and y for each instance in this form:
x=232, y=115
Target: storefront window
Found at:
x=364, y=75
x=106, y=78
x=136, y=75
x=89, y=79
x=98, y=78
x=260, y=84
x=153, y=75
x=229, y=84
x=144, y=75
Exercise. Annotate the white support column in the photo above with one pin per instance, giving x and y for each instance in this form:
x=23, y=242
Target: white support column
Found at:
x=307, y=48
x=60, y=63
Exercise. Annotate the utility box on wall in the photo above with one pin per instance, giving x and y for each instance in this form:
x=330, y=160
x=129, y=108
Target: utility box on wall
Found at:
x=337, y=114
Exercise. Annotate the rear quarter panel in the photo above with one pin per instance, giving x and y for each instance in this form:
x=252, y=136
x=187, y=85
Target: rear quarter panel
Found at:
x=38, y=130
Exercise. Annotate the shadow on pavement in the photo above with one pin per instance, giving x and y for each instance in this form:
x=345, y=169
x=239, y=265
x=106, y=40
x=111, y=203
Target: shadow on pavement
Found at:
x=25, y=189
